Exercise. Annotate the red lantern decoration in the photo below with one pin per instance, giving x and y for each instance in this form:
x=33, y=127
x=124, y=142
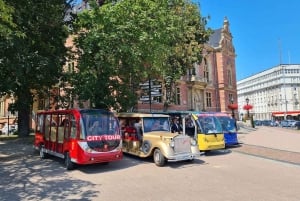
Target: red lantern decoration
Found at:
x=233, y=106
x=247, y=107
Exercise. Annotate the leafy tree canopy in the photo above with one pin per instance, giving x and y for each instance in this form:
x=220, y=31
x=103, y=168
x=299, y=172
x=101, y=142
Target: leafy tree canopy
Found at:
x=6, y=24
x=33, y=63
x=122, y=43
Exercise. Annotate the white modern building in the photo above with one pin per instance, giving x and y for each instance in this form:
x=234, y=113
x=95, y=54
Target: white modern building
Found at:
x=273, y=93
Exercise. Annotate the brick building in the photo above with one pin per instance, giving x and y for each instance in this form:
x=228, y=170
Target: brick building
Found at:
x=210, y=86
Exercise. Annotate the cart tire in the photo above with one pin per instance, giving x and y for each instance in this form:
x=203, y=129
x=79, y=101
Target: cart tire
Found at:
x=68, y=163
x=146, y=146
x=159, y=158
x=43, y=155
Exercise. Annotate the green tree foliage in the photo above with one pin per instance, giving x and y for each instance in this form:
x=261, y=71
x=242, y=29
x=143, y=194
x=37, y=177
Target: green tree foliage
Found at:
x=6, y=24
x=187, y=49
x=122, y=43
x=33, y=63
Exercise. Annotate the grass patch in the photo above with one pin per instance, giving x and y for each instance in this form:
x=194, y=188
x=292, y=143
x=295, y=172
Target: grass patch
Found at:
x=27, y=139
x=10, y=137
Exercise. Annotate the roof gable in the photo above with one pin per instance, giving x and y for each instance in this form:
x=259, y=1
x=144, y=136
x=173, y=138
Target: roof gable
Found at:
x=215, y=38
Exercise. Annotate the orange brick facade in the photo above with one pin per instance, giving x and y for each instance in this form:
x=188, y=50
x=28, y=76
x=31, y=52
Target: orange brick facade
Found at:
x=212, y=85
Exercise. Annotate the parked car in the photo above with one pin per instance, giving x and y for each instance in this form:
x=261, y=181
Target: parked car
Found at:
x=266, y=122
x=297, y=125
x=288, y=123
x=257, y=122
x=292, y=123
x=274, y=123
x=284, y=123
x=11, y=128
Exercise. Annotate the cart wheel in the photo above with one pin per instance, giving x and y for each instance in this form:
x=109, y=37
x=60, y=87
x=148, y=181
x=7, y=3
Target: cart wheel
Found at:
x=146, y=146
x=43, y=155
x=158, y=158
x=68, y=163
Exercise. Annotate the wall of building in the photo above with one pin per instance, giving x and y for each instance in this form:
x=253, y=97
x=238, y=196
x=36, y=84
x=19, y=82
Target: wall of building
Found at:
x=212, y=91
x=274, y=90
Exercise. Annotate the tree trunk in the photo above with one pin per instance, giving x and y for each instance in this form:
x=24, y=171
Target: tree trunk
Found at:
x=24, y=103
x=24, y=121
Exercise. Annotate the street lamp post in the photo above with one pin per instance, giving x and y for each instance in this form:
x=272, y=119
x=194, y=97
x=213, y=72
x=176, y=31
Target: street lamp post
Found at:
x=248, y=107
x=8, y=113
x=247, y=101
x=7, y=122
x=232, y=109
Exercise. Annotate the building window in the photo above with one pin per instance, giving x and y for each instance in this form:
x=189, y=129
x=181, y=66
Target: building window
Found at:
x=191, y=71
x=208, y=99
x=229, y=77
x=205, y=61
x=2, y=108
x=177, y=96
x=230, y=97
x=206, y=72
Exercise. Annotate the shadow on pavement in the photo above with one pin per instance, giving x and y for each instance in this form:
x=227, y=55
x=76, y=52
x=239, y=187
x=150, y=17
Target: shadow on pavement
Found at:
x=177, y=164
x=29, y=178
x=24, y=176
x=217, y=152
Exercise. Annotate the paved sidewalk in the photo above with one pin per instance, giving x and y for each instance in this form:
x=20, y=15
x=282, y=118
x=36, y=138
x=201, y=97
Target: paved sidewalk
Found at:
x=273, y=137
x=15, y=148
x=244, y=128
x=281, y=144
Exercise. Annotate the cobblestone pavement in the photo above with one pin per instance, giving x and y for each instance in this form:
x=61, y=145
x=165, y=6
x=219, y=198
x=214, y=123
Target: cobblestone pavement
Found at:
x=280, y=144
x=225, y=175
x=270, y=153
x=17, y=148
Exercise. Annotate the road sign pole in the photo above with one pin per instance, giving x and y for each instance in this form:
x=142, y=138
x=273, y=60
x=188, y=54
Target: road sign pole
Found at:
x=150, y=95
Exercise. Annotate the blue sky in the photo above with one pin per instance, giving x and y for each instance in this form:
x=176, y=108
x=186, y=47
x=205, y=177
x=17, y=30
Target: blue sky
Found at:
x=265, y=32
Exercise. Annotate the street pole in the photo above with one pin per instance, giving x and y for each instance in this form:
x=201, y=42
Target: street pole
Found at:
x=284, y=89
x=232, y=110
x=247, y=101
x=7, y=123
x=149, y=95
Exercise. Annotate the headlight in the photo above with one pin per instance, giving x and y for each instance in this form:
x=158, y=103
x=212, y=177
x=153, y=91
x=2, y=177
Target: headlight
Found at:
x=193, y=142
x=172, y=144
x=84, y=146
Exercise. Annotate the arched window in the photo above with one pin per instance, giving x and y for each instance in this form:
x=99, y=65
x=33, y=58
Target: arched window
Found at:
x=206, y=70
x=229, y=76
x=208, y=99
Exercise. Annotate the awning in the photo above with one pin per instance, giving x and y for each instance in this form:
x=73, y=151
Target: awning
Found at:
x=289, y=113
x=278, y=115
x=294, y=114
